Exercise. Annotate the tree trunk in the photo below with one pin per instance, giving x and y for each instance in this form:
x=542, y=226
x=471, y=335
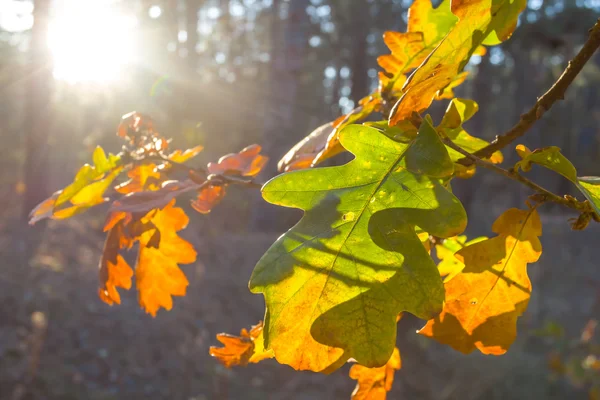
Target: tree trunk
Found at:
x=38, y=110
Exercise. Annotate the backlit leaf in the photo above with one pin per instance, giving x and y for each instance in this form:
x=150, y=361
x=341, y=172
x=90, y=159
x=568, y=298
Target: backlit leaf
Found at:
x=157, y=274
x=590, y=187
x=86, y=190
x=478, y=20
x=208, y=197
x=552, y=158
x=458, y=112
x=484, y=301
x=142, y=178
x=335, y=282
x=114, y=270
x=248, y=162
x=549, y=157
x=374, y=383
x=241, y=350
x=181, y=157
x=449, y=266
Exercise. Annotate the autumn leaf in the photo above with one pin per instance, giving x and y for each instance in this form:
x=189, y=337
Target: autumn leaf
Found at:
x=484, y=301
x=142, y=178
x=181, y=157
x=304, y=152
x=86, y=190
x=114, y=270
x=144, y=201
x=449, y=266
x=243, y=349
x=326, y=301
x=374, y=383
x=480, y=22
x=157, y=274
x=208, y=197
x=248, y=162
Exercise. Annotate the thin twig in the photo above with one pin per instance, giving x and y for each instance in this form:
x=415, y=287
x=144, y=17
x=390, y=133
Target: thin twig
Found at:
x=512, y=174
x=544, y=103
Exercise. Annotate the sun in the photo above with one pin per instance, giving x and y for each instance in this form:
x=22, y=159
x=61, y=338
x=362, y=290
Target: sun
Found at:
x=91, y=41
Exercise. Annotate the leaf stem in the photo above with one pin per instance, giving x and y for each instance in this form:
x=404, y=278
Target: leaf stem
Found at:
x=544, y=103
x=514, y=175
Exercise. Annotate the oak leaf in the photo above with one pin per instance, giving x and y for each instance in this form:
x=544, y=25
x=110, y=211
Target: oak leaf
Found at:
x=551, y=158
x=326, y=302
x=86, y=190
x=241, y=350
x=479, y=22
x=449, y=266
x=484, y=301
x=374, y=383
x=248, y=162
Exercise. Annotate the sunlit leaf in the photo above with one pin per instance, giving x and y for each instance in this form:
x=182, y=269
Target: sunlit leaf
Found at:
x=552, y=158
x=114, y=271
x=478, y=20
x=590, y=187
x=374, y=383
x=248, y=162
x=241, y=350
x=181, y=157
x=549, y=157
x=335, y=282
x=157, y=274
x=449, y=266
x=142, y=178
x=484, y=301
x=304, y=152
x=458, y=112
x=208, y=197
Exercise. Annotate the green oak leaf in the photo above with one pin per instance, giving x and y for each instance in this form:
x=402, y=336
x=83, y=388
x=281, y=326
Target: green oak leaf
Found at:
x=335, y=282
x=552, y=158
x=458, y=112
x=590, y=187
x=549, y=157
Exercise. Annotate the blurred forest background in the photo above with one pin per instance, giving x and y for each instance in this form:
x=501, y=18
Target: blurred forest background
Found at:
x=226, y=74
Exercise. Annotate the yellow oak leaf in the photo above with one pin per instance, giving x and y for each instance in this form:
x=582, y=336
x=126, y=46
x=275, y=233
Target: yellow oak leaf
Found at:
x=374, y=383
x=484, y=301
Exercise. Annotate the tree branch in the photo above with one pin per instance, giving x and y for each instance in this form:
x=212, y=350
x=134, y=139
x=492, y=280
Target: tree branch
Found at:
x=544, y=103
x=514, y=175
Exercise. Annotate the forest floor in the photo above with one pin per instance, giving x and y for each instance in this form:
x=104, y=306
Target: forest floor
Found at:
x=59, y=341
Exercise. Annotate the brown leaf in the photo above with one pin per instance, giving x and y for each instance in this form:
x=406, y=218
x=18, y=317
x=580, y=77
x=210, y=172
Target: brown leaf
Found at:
x=208, y=197
x=243, y=349
x=374, y=383
x=248, y=162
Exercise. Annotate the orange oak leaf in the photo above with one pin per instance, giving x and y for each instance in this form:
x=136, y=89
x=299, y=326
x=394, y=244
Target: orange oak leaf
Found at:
x=180, y=157
x=114, y=270
x=142, y=178
x=374, y=383
x=241, y=350
x=157, y=274
x=248, y=162
x=484, y=301
x=208, y=197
